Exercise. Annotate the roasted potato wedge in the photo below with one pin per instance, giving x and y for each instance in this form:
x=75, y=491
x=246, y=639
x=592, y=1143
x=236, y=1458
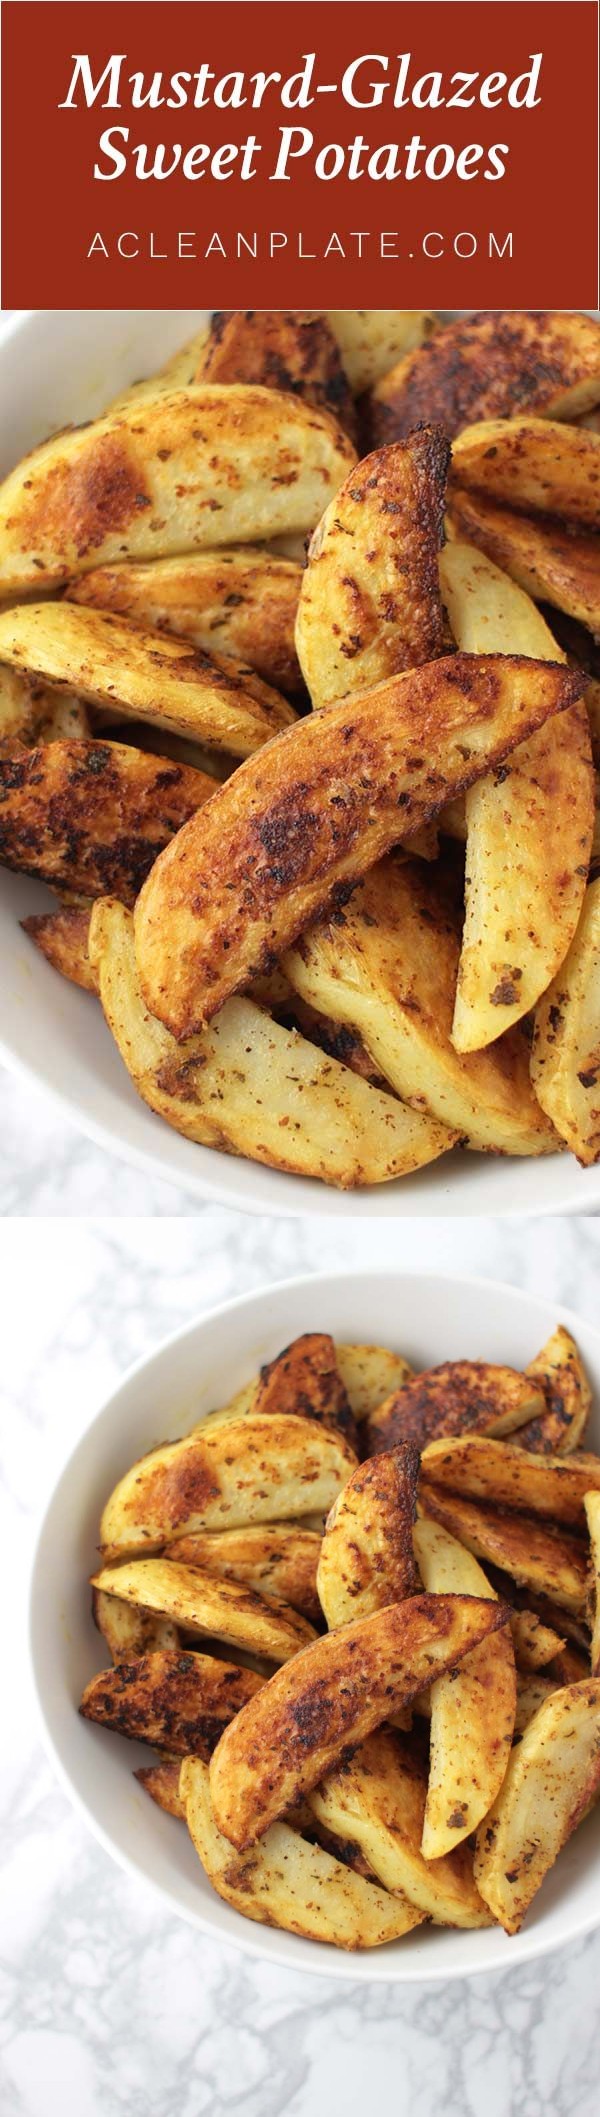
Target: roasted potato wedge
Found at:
x=92, y=816
x=305, y=1379
x=482, y=365
x=529, y=828
x=293, y=829
x=144, y=675
x=161, y=1782
x=334, y=1693
x=386, y=967
x=537, y=1556
x=592, y=1515
x=277, y=1558
x=549, y=561
x=532, y=1692
x=371, y=340
x=178, y=1701
x=565, y=1057
x=366, y=1558
x=552, y=1778
x=472, y=1709
x=30, y=713
x=241, y=602
x=63, y=937
x=370, y=602
x=293, y=350
x=533, y=464
x=252, y=1471
x=535, y=1644
x=560, y=1370
x=460, y=1396
x=369, y=1373
x=209, y=1607
x=480, y=1467
x=250, y=1087
x=377, y=1801
x=185, y=470
x=130, y=1632
x=288, y=1883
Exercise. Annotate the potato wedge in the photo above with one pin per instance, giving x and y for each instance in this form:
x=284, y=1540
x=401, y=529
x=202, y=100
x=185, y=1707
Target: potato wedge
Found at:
x=209, y=1607
x=529, y=829
x=532, y=1692
x=565, y=1057
x=288, y=1883
x=130, y=1632
x=185, y=470
x=30, y=713
x=370, y=340
x=481, y=1467
x=370, y=602
x=481, y=365
x=472, y=1709
x=305, y=1379
x=550, y=562
x=92, y=816
x=366, y=1558
x=560, y=1620
x=369, y=1373
x=240, y=602
x=250, y=1087
x=560, y=1370
x=179, y=1701
x=552, y=1778
x=460, y=1396
x=295, y=828
x=277, y=1558
x=377, y=1801
x=549, y=1561
x=592, y=1515
x=535, y=464
x=386, y=967
x=62, y=937
x=144, y=675
x=249, y=1471
x=293, y=350
x=334, y=1693
x=535, y=1644
x=161, y=1782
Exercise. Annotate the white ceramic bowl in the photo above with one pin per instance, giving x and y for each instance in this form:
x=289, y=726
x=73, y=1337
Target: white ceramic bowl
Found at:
x=429, y=1319
x=56, y=367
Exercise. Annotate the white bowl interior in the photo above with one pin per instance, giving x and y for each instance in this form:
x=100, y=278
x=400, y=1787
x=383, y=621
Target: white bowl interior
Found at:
x=57, y=367
x=428, y=1319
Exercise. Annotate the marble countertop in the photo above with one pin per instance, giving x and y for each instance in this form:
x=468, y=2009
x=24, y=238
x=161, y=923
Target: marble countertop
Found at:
x=107, y=2008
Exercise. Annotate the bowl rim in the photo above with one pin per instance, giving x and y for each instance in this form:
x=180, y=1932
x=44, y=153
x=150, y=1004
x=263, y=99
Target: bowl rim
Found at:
x=372, y=1966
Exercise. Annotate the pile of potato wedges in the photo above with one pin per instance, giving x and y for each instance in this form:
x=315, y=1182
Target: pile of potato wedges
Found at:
x=355, y=1613
x=300, y=723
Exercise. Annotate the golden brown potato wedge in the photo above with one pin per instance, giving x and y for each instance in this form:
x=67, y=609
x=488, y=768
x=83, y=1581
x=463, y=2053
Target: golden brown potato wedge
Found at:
x=249, y=1471
x=161, y=1782
x=92, y=816
x=366, y=1558
x=295, y=827
x=130, y=1632
x=210, y=1607
x=535, y=464
x=565, y=1058
x=370, y=1373
x=560, y=1370
x=532, y=1692
x=535, y=1644
x=371, y=340
x=592, y=1515
x=173, y=1700
x=288, y=1883
x=460, y=1396
x=552, y=1778
x=305, y=1378
x=472, y=1708
x=30, y=713
x=62, y=937
x=334, y=1693
x=482, y=365
x=250, y=1087
x=537, y=1556
x=185, y=470
x=277, y=1558
x=550, y=562
x=293, y=350
x=386, y=967
x=377, y=1801
x=529, y=827
x=370, y=602
x=575, y=1628
x=241, y=602
x=144, y=675
x=570, y=1665
x=481, y=1467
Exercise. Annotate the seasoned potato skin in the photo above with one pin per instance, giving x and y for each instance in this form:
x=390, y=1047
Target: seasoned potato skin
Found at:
x=305, y=1379
x=367, y=1558
x=335, y=1693
x=240, y=602
x=130, y=1631
x=161, y=1782
x=292, y=350
x=560, y=1371
x=550, y=562
x=92, y=816
x=278, y=1558
x=178, y=1701
x=296, y=827
x=486, y=365
x=459, y=1396
x=62, y=937
x=537, y=465
x=482, y=1467
x=535, y=1554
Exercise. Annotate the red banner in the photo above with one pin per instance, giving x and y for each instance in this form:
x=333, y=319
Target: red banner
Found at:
x=438, y=153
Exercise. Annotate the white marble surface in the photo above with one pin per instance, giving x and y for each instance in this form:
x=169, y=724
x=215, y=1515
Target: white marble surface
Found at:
x=105, y=2007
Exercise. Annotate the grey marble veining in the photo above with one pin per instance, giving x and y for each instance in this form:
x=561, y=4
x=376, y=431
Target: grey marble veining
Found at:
x=105, y=2006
